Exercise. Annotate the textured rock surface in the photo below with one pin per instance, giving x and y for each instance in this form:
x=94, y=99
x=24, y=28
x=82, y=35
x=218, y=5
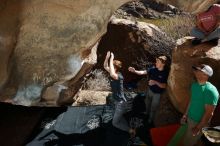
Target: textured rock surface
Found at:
x=134, y=43
x=44, y=42
x=149, y=9
x=49, y=40
x=181, y=76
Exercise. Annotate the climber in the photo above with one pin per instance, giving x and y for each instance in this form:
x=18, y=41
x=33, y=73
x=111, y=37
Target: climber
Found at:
x=207, y=25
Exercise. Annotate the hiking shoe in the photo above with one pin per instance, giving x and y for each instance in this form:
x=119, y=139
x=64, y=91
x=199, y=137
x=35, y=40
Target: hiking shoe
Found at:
x=196, y=41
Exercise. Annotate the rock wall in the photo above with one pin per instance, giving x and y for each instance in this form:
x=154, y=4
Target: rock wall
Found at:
x=49, y=40
x=134, y=43
x=45, y=42
x=181, y=76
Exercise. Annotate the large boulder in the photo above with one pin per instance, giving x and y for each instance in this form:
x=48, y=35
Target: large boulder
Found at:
x=139, y=41
x=47, y=41
x=134, y=43
x=43, y=43
x=181, y=76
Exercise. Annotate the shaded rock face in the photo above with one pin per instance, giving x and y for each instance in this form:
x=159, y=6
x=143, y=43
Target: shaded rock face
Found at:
x=134, y=43
x=181, y=76
x=49, y=40
x=194, y=6
x=8, y=36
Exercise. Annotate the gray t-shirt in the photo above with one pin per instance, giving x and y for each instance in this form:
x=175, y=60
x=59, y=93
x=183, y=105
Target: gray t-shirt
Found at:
x=117, y=87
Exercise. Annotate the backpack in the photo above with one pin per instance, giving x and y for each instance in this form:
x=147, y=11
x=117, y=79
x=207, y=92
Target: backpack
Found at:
x=208, y=20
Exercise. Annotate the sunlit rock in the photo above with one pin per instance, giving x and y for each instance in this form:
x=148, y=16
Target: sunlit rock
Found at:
x=47, y=41
x=181, y=76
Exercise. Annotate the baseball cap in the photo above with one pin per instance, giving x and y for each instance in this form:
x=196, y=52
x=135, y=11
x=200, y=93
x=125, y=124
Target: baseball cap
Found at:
x=205, y=69
x=163, y=59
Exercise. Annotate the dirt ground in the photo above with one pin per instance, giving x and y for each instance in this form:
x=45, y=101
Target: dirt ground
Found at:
x=166, y=114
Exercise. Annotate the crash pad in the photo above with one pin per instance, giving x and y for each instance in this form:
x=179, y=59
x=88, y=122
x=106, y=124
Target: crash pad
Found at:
x=178, y=135
x=162, y=135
